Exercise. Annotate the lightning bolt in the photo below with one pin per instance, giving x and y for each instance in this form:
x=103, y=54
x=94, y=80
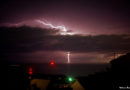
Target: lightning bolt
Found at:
x=62, y=28
x=68, y=57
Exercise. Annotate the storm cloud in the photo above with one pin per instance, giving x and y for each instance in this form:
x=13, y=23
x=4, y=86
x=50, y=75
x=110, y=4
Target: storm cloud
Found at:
x=27, y=39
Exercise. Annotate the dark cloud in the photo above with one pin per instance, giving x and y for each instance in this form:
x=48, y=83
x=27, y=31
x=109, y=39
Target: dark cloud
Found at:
x=23, y=39
x=27, y=39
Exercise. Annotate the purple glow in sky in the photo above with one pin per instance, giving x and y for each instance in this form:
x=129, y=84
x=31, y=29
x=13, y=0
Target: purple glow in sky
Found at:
x=81, y=16
x=92, y=30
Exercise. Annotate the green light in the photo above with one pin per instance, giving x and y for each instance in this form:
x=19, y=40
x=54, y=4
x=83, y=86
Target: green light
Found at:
x=70, y=79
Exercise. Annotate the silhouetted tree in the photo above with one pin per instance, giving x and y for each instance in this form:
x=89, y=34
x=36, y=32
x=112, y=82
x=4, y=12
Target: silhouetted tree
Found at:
x=118, y=75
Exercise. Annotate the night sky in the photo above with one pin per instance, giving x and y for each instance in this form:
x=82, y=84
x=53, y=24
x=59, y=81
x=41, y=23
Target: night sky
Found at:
x=101, y=28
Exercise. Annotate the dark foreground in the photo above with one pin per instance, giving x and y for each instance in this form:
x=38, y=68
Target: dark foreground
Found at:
x=116, y=77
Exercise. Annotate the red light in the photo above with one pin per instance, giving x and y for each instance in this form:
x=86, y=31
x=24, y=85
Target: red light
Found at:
x=30, y=71
x=52, y=63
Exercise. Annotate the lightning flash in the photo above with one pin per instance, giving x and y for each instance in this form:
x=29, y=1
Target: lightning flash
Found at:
x=61, y=27
x=68, y=57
